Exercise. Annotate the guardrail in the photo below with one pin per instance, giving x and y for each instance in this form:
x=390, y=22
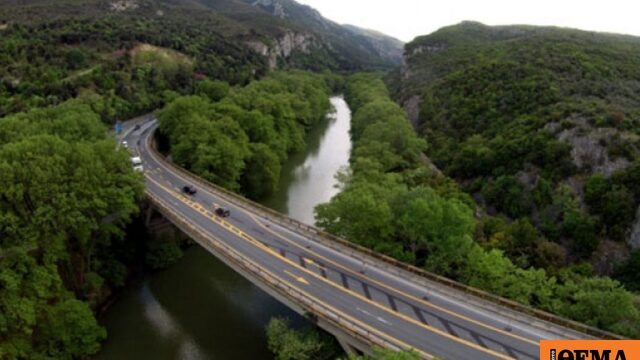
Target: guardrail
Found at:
x=307, y=303
x=332, y=241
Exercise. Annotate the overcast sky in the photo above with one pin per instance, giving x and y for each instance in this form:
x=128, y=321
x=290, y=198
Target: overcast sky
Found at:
x=406, y=19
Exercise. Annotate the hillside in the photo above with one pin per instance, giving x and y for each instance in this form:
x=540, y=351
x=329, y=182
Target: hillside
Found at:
x=283, y=26
x=56, y=50
x=356, y=44
x=539, y=124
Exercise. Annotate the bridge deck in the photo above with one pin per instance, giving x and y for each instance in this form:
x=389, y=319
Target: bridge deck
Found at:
x=362, y=296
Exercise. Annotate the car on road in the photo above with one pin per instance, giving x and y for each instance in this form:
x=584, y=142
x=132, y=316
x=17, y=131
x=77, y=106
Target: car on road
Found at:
x=222, y=212
x=137, y=127
x=136, y=162
x=124, y=144
x=189, y=190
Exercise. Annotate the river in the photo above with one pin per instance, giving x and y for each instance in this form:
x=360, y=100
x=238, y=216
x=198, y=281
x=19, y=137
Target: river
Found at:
x=200, y=308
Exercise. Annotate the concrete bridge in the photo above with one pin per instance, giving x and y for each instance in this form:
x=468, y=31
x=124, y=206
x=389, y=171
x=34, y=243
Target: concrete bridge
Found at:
x=365, y=299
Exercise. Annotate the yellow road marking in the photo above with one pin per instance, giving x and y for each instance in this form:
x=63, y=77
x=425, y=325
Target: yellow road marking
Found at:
x=356, y=295
x=333, y=309
x=299, y=278
x=387, y=287
x=397, y=291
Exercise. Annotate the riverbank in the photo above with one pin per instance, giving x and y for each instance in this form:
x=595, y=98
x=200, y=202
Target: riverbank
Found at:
x=164, y=316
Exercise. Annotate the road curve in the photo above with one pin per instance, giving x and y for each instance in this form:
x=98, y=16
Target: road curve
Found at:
x=395, y=309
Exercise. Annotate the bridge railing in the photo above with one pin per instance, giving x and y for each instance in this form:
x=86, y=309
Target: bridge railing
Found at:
x=307, y=303
x=358, y=250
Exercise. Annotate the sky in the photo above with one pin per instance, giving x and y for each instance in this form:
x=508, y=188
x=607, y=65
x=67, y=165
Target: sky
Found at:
x=406, y=19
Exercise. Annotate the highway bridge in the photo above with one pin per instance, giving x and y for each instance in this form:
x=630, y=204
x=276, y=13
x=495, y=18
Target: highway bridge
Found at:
x=366, y=300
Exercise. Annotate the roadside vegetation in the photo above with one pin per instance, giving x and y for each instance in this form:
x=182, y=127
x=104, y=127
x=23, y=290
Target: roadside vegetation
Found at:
x=67, y=195
x=395, y=203
x=287, y=343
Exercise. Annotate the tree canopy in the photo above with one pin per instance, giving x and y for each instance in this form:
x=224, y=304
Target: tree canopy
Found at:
x=410, y=212
x=67, y=194
x=240, y=137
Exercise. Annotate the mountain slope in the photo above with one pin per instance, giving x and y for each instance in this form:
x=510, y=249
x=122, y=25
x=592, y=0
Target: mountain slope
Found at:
x=55, y=50
x=295, y=31
x=537, y=123
x=353, y=42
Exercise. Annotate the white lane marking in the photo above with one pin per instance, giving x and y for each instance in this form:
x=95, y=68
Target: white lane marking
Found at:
x=373, y=316
x=488, y=314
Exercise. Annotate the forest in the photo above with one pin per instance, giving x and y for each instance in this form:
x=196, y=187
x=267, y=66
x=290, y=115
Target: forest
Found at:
x=51, y=51
x=395, y=203
x=122, y=63
x=68, y=194
x=70, y=234
x=540, y=126
x=497, y=189
x=239, y=137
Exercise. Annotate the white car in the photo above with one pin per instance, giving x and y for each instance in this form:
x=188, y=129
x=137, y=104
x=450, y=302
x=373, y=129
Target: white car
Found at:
x=124, y=144
x=136, y=161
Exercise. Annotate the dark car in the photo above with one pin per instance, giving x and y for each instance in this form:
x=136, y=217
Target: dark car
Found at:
x=222, y=212
x=137, y=127
x=188, y=189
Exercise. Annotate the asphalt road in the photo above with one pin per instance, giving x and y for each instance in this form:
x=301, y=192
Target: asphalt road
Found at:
x=427, y=319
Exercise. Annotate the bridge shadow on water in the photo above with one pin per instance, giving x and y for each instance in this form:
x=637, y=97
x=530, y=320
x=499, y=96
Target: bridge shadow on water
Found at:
x=197, y=309
x=200, y=308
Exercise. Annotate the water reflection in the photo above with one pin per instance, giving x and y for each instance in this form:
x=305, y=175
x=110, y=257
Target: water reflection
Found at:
x=200, y=308
x=309, y=177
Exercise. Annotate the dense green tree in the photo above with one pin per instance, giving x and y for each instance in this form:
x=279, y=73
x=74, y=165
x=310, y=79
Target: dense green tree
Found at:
x=262, y=171
x=441, y=227
x=507, y=112
x=493, y=272
x=590, y=300
x=384, y=354
x=398, y=135
x=130, y=60
x=212, y=89
x=71, y=330
x=75, y=58
x=628, y=273
x=68, y=193
x=306, y=344
x=580, y=228
x=618, y=209
x=476, y=157
x=241, y=141
x=508, y=195
x=350, y=213
x=414, y=214
x=549, y=255
x=374, y=112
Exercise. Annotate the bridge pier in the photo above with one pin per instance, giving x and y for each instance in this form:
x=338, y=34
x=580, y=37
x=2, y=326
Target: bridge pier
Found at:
x=148, y=216
x=346, y=346
x=158, y=225
x=351, y=344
